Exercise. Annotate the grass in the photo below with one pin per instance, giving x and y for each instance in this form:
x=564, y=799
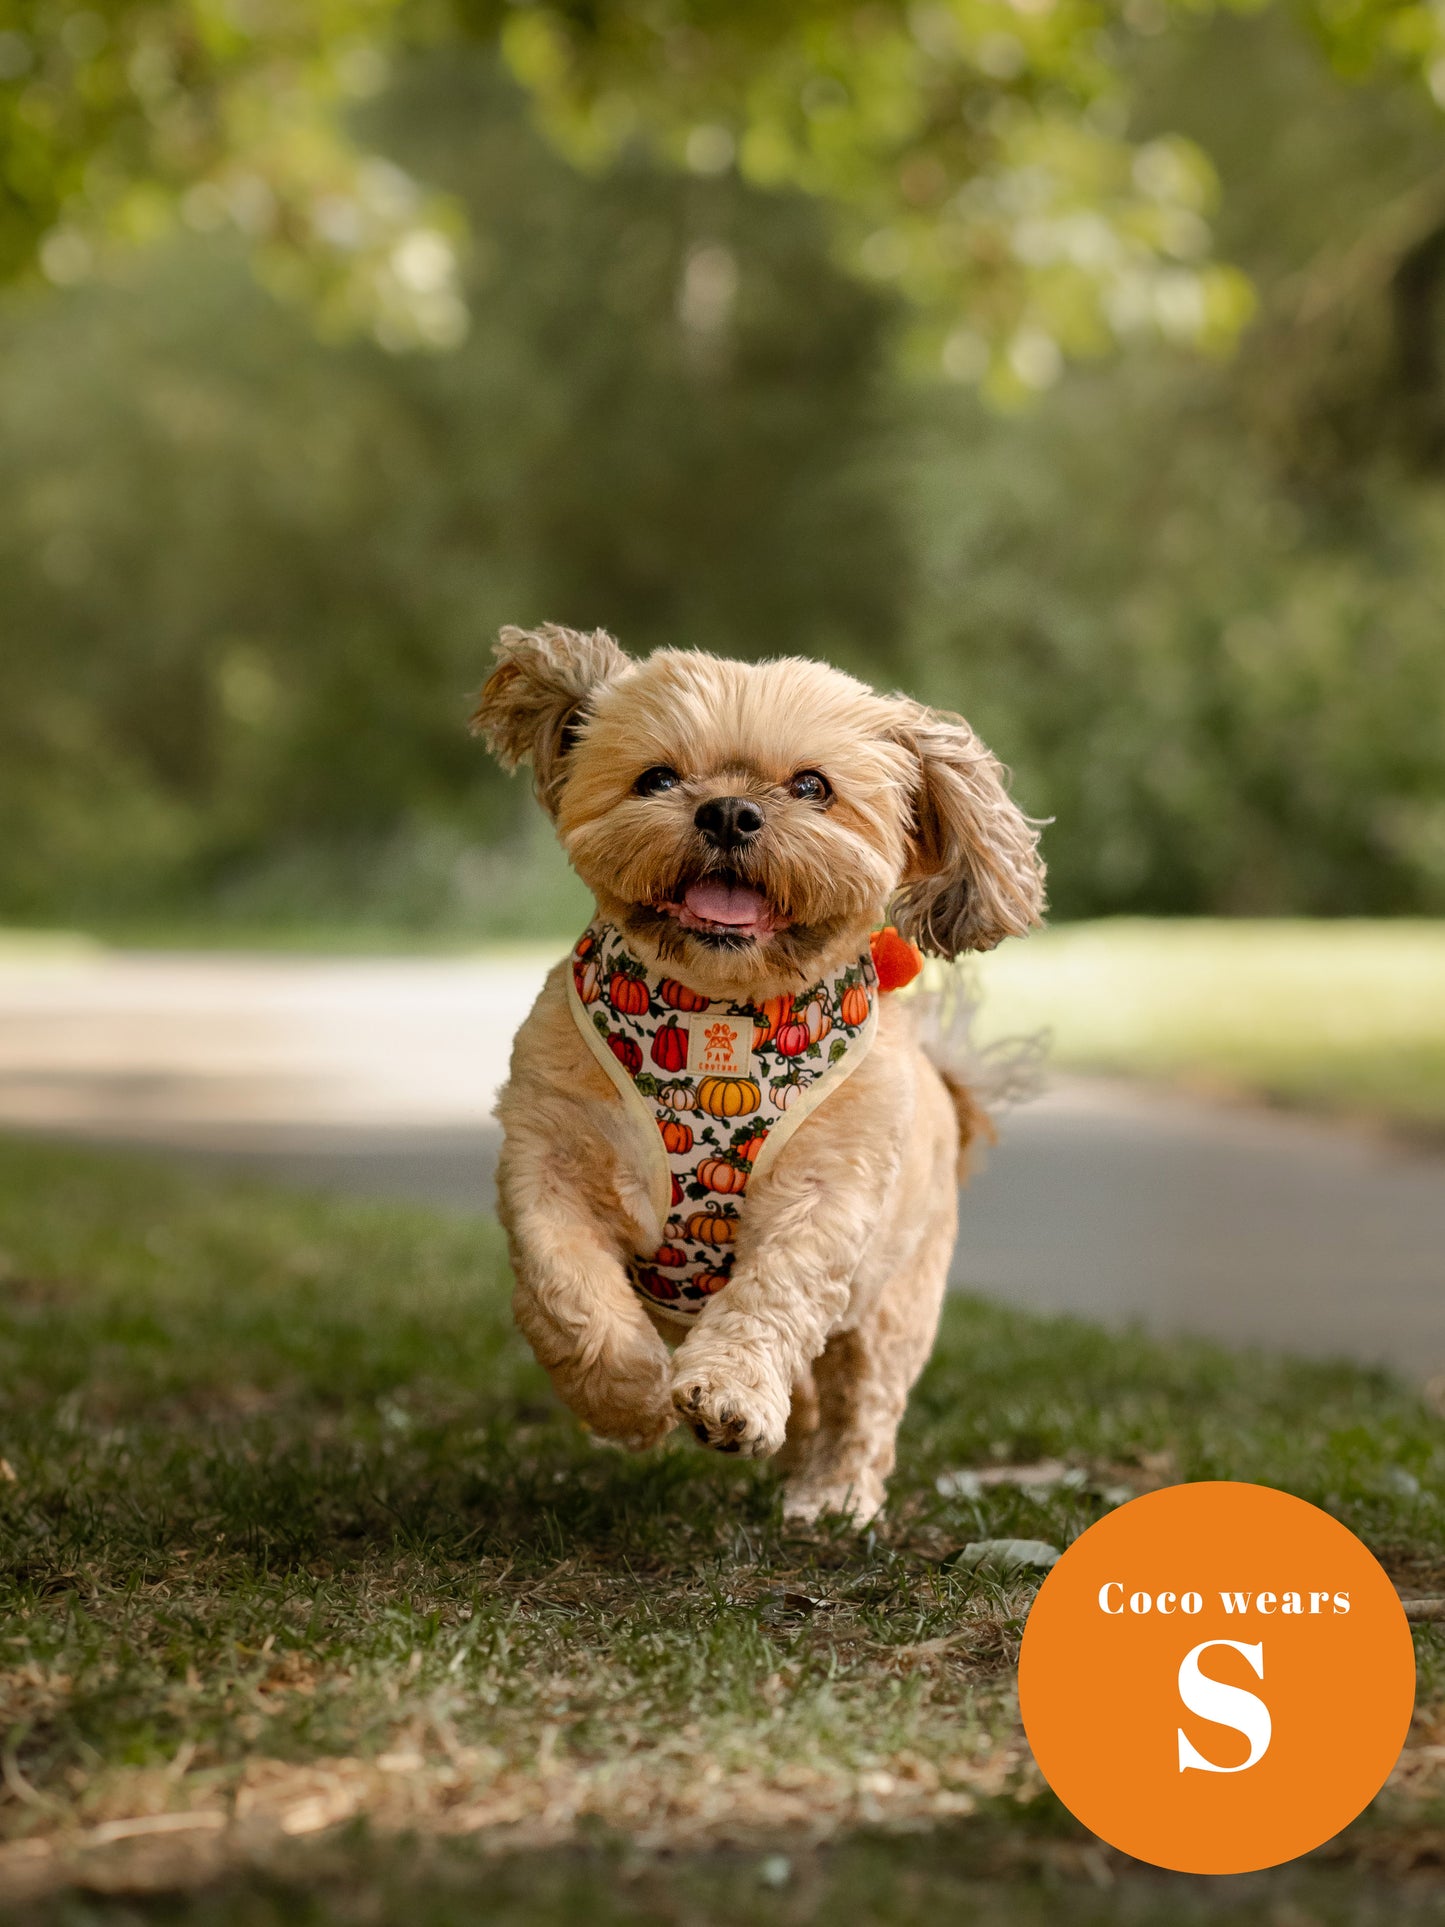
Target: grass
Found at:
x=316, y=1608
x=1342, y=1017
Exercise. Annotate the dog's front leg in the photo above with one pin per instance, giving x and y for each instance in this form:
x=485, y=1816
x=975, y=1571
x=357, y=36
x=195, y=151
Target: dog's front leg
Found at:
x=575, y=1306
x=733, y=1376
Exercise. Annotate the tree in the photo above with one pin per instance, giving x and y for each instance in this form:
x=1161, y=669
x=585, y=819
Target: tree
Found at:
x=979, y=151
x=248, y=579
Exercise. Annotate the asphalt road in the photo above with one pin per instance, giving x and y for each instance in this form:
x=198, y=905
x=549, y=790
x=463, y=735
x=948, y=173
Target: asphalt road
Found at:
x=378, y=1077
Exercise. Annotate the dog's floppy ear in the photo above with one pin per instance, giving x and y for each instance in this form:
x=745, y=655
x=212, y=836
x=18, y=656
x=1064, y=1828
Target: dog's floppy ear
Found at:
x=974, y=874
x=532, y=702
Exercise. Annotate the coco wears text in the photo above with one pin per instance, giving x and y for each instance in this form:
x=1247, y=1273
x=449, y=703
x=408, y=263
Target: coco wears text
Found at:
x=1114, y=1600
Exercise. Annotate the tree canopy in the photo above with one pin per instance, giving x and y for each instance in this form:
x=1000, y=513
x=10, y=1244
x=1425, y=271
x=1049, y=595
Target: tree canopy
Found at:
x=982, y=155
x=248, y=576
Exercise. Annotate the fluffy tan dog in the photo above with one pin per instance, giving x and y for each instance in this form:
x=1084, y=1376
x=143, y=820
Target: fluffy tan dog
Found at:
x=743, y=828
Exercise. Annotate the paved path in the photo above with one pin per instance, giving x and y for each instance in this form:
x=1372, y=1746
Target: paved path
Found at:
x=378, y=1076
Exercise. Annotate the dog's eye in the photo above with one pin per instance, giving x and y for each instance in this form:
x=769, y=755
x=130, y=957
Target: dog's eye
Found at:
x=654, y=781
x=810, y=786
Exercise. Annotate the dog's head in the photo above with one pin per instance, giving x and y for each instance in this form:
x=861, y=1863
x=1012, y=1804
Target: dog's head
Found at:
x=747, y=824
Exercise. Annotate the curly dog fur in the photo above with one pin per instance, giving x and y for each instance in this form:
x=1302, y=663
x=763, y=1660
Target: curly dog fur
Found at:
x=831, y=1312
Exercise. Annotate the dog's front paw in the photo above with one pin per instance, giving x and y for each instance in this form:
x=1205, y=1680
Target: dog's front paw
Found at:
x=731, y=1407
x=638, y=1431
x=633, y=1411
x=622, y=1393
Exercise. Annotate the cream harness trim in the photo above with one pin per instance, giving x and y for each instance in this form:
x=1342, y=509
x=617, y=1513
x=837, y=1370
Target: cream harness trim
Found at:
x=722, y=1087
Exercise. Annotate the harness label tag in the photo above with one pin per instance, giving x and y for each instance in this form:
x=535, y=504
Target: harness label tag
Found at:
x=719, y=1046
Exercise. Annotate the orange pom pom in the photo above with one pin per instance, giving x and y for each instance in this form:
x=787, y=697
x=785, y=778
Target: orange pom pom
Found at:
x=896, y=960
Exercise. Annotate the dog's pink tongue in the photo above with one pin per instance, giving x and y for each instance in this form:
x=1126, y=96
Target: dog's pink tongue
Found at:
x=730, y=903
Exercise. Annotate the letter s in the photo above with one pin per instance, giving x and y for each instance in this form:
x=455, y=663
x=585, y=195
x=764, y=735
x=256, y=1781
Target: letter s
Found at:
x=1211, y=1699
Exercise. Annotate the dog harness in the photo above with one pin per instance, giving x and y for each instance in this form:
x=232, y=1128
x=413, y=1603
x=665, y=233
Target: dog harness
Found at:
x=722, y=1087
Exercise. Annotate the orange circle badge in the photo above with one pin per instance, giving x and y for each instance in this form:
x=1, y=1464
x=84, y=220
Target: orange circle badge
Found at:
x=1216, y=1677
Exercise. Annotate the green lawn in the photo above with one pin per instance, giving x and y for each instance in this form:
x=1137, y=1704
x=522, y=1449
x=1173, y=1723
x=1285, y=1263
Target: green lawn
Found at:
x=1344, y=1017
x=316, y=1608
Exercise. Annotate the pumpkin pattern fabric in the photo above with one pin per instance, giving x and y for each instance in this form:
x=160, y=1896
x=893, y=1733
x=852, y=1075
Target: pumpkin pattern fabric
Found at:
x=722, y=1087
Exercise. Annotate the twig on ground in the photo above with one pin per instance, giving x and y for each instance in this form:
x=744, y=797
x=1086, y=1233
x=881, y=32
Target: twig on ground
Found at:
x=16, y=1781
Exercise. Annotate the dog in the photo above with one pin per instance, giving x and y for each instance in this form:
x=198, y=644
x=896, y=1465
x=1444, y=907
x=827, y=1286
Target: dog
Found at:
x=729, y=1171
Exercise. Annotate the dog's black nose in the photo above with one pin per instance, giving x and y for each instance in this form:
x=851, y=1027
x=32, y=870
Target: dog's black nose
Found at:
x=727, y=821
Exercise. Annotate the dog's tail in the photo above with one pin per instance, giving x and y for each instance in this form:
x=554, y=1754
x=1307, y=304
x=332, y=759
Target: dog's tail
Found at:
x=982, y=1079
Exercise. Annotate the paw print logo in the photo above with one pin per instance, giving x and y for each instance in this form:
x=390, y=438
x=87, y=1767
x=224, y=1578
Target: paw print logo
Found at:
x=721, y=1052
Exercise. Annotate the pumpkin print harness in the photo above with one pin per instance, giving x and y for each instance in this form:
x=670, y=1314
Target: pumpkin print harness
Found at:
x=722, y=1087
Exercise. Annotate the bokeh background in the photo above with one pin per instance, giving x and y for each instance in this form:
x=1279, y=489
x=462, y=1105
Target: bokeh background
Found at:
x=1079, y=367
x=1075, y=366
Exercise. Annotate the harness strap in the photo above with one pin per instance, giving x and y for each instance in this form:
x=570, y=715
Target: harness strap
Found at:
x=720, y=1088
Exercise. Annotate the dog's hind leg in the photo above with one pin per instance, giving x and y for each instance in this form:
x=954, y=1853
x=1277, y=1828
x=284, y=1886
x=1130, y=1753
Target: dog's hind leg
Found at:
x=863, y=1378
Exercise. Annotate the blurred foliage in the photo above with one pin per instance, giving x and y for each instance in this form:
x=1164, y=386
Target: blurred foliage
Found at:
x=115, y=116
x=980, y=151
x=1202, y=609
x=249, y=571
x=1228, y=697
x=247, y=579
x=977, y=152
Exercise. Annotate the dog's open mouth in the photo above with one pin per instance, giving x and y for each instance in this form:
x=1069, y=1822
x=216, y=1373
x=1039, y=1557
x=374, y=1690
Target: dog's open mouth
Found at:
x=722, y=908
